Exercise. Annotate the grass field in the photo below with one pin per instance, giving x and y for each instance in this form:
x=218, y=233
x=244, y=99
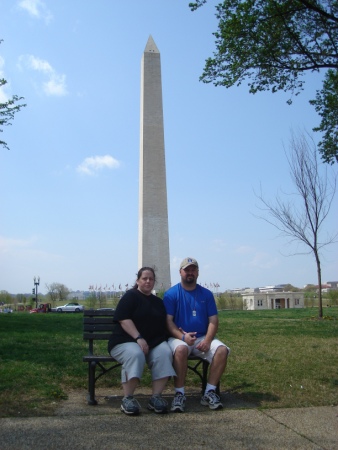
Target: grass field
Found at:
x=280, y=358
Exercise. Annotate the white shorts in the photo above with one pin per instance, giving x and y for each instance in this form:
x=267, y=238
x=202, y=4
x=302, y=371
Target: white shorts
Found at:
x=192, y=350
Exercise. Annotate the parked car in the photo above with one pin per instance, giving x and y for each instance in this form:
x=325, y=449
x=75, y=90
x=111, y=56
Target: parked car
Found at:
x=42, y=308
x=6, y=310
x=70, y=307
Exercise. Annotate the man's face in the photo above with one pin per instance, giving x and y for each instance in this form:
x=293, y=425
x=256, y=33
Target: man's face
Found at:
x=189, y=274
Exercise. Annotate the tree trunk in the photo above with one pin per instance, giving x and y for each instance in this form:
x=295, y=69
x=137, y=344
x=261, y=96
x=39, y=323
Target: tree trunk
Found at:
x=319, y=274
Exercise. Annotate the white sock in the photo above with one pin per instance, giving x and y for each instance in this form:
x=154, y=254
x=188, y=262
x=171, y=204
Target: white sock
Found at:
x=180, y=390
x=210, y=387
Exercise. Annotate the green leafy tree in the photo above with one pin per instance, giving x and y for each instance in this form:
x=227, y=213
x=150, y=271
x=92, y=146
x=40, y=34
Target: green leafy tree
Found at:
x=5, y=297
x=290, y=288
x=272, y=44
x=8, y=110
x=326, y=105
x=333, y=297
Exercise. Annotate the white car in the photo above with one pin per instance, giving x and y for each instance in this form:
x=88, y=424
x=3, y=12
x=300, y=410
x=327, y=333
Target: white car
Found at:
x=70, y=307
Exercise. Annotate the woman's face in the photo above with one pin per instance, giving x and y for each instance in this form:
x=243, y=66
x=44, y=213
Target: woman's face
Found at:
x=146, y=282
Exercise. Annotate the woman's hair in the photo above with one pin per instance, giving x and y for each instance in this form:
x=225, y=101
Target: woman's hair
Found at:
x=140, y=272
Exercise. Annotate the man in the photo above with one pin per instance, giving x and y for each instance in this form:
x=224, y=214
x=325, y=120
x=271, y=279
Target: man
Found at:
x=193, y=322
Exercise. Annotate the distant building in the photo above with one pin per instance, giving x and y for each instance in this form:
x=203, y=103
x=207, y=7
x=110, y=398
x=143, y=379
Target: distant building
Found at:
x=331, y=285
x=275, y=288
x=273, y=300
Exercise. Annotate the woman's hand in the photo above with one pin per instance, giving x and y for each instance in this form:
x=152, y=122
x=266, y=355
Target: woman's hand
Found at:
x=143, y=344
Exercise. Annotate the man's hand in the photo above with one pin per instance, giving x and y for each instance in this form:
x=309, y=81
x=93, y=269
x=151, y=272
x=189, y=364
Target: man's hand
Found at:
x=203, y=346
x=190, y=337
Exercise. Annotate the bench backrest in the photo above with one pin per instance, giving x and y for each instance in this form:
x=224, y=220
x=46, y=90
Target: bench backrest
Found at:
x=97, y=325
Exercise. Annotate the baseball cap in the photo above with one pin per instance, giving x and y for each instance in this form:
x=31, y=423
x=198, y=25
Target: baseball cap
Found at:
x=188, y=262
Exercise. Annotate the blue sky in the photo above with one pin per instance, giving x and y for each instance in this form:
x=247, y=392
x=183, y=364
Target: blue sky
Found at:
x=69, y=203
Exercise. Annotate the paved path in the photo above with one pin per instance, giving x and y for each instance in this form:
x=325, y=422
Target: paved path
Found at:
x=76, y=425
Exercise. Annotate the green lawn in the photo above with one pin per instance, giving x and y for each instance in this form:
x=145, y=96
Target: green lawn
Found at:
x=280, y=358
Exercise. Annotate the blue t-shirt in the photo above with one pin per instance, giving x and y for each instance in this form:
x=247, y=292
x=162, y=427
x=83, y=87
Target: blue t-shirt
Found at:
x=191, y=309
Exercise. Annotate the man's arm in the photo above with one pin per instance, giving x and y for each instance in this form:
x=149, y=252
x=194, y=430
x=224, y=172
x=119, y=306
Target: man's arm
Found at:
x=178, y=333
x=204, y=345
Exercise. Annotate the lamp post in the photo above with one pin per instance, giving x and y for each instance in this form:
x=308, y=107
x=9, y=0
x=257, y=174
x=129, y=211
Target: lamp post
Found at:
x=36, y=283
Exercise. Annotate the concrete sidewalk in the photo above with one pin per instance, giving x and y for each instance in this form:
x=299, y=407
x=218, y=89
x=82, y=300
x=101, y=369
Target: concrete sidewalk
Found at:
x=76, y=425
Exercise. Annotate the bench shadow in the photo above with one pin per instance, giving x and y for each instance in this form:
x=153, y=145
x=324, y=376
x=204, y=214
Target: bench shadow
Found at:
x=249, y=399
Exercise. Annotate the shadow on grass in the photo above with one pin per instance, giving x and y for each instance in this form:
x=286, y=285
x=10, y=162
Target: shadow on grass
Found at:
x=250, y=398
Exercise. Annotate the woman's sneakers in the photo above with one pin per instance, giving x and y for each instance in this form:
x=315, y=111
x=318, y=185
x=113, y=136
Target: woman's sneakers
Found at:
x=158, y=404
x=212, y=400
x=130, y=406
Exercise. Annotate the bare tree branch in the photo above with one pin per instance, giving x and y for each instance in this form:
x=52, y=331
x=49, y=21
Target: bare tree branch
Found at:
x=303, y=220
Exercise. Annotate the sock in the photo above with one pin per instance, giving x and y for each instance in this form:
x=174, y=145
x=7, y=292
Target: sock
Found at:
x=210, y=387
x=180, y=390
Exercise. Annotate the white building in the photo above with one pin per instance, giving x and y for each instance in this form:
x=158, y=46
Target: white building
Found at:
x=273, y=300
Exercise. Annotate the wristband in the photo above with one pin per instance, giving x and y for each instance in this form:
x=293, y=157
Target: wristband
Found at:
x=138, y=337
x=183, y=338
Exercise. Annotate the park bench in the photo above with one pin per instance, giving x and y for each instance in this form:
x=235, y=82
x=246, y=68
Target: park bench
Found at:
x=97, y=326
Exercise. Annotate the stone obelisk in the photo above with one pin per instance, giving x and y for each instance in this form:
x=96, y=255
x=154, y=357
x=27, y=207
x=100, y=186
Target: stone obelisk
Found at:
x=153, y=241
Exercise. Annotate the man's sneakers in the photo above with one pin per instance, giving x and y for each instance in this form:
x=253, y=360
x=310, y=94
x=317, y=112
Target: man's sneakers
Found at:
x=212, y=400
x=178, y=403
x=130, y=406
x=158, y=404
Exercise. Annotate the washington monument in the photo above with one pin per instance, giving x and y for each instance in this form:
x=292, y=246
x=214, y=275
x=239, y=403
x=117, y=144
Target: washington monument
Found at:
x=153, y=240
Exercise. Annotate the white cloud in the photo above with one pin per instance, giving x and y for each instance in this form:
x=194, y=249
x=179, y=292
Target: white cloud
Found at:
x=263, y=260
x=244, y=250
x=20, y=249
x=56, y=83
x=218, y=245
x=93, y=164
x=39, y=64
x=37, y=9
x=56, y=86
x=10, y=244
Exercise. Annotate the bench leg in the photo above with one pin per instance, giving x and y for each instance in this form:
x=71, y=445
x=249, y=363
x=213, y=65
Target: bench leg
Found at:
x=205, y=367
x=91, y=383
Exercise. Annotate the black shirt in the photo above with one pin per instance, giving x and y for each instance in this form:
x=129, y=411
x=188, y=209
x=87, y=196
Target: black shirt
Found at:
x=148, y=314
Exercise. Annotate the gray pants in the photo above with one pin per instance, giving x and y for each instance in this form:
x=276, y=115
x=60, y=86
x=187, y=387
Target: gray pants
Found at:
x=159, y=360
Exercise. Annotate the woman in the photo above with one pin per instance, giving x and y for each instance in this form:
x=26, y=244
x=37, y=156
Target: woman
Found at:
x=140, y=336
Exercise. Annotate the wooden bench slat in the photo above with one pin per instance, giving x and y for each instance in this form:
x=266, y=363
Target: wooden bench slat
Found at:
x=97, y=336
x=97, y=312
x=90, y=358
x=97, y=327
x=98, y=320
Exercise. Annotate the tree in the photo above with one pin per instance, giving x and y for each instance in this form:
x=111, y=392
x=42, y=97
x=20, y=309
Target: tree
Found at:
x=8, y=110
x=290, y=288
x=63, y=292
x=5, y=298
x=333, y=296
x=326, y=105
x=302, y=220
x=57, y=291
x=52, y=292
x=272, y=44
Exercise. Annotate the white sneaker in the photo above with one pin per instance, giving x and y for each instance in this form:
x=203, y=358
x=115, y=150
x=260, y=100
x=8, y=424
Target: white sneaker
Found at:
x=178, y=403
x=212, y=400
